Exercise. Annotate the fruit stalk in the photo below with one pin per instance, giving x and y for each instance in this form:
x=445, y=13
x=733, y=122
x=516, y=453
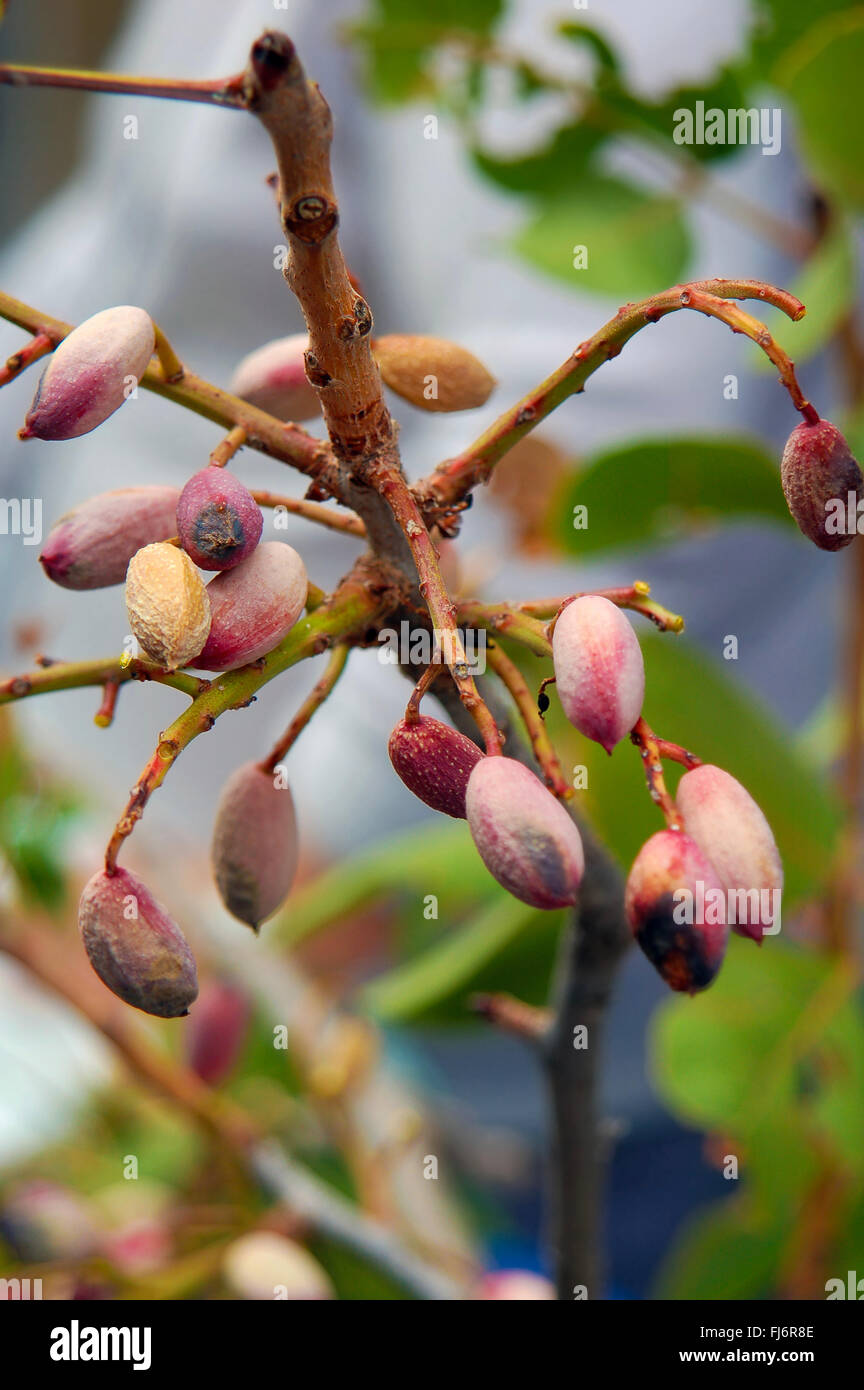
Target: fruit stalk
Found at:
x=643, y=736
x=224, y=452
x=526, y=702
x=314, y=700
x=37, y=347
x=455, y=479
x=635, y=597
x=312, y=511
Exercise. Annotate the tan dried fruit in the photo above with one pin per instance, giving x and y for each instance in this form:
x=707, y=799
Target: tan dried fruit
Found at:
x=432, y=373
x=167, y=603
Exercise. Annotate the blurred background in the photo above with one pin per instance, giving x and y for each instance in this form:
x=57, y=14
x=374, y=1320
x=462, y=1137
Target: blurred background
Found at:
x=552, y=127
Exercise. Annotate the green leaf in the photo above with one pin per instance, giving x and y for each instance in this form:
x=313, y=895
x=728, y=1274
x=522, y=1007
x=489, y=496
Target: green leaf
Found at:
x=414, y=987
x=828, y=286
x=723, y=1253
x=699, y=704
x=711, y=479
x=400, y=35
x=637, y=242
x=772, y=1059
x=584, y=34
x=35, y=821
x=725, y=93
x=822, y=75
x=554, y=170
x=713, y=1056
x=441, y=854
x=780, y=23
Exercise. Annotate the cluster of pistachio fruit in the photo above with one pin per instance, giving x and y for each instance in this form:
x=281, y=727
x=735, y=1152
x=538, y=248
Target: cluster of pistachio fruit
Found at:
x=530, y=844
x=156, y=539
x=717, y=843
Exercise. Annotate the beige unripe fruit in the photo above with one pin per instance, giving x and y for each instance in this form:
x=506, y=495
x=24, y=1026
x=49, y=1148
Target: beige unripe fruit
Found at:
x=524, y=836
x=167, y=603
x=136, y=949
x=432, y=373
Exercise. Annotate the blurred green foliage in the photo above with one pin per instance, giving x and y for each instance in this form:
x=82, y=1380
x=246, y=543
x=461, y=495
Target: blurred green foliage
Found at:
x=674, y=488
x=36, y=814
x=771, y=1059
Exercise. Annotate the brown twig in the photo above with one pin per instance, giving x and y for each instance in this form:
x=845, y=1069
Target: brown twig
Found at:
x=339, y=361
x=513, y=1015
x=322, y=689
x=312, y=511
x=225, y=91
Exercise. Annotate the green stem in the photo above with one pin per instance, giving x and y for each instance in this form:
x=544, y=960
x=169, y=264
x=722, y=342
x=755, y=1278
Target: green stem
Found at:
x=351, y=608
x=73, y=675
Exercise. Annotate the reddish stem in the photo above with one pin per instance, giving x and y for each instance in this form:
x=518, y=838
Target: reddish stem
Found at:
x=453, y=480
x=646, y=741
x=37, y=347
x=105, y=713
x=222, y=91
